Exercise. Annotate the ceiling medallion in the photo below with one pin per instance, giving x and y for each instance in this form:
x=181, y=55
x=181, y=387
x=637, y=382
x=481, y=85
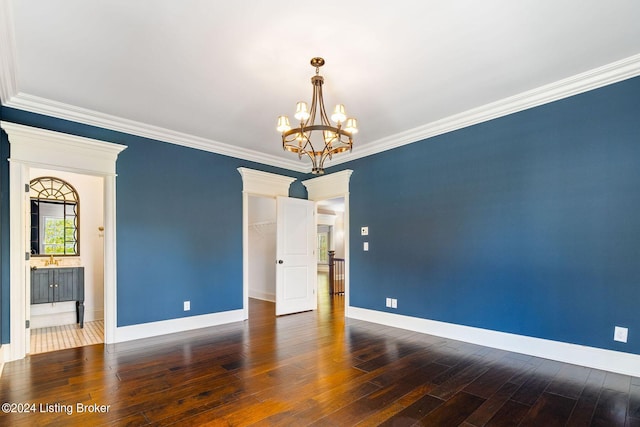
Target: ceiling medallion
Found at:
x=309, y=137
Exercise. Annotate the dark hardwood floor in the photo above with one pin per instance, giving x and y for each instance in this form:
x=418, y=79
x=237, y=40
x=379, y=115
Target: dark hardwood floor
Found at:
x=312, y=368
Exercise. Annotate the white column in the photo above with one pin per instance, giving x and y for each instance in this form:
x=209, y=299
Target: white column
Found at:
x=18, y=270
x=110, y=272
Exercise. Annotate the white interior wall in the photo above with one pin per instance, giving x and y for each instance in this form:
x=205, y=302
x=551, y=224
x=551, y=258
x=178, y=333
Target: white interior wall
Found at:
x=338, y=235
x=335, y=219
x=90, y=190
x=262, y=248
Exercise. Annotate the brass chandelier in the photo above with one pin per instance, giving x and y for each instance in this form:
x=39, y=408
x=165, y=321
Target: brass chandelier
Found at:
x=318, y=141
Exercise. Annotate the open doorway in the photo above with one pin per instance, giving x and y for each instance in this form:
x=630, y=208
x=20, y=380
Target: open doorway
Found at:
x=331, y=250
x=54, y=324
x=262, y=248
x=331, y=194
x=39, y=148
x=258, y=185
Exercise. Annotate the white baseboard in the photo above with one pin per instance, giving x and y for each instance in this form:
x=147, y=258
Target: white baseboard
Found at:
x=591, y=357
x=2, y=358
x=51, y=320
x=48, y=320
x=91, y=315
x=182, y=324
x=264, y=296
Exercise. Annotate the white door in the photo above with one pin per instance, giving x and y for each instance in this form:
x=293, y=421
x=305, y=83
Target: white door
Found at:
x=296, y=274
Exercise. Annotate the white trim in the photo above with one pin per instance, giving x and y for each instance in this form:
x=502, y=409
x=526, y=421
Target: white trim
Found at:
x=256, y=183
x=267, y=184
x=110, y=266
x=326, y=219
x=4, y=355
x=18, y=175
x=607, y=360
x=33, y=147
x=8, y=79
x=36, y=104
x=329, y=187
x=580, y=83
x=48, y=149
x=264, y=296
x=180, y=324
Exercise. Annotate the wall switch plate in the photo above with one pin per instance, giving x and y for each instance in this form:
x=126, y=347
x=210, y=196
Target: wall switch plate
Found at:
x=620, y=334
x=394, y=303
x=388, y=302
x=365, y=246
x=364, y=231
x=187, y=305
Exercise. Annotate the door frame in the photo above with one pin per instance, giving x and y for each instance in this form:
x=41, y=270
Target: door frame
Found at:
x=330, y=187
x=34, y=147
x=260, y=184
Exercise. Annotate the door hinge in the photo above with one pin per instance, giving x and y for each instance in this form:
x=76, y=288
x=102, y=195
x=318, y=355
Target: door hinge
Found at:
x=26, y=188
x=27, y=324
x=27, y=256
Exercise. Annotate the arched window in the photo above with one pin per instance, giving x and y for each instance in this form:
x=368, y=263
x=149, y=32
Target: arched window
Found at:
x=55, y=217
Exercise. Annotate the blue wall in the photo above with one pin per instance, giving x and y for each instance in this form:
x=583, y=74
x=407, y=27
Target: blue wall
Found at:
x=179, y=219
x=528, y=224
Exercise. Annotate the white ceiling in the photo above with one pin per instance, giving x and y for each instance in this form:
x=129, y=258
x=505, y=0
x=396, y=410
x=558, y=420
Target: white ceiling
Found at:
x=215, y=75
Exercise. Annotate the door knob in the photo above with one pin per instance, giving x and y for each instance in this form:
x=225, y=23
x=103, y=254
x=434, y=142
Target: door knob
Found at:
x=280, y=261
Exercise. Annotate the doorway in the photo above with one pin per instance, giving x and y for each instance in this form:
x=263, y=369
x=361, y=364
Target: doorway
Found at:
x=331, y=250
x=262, y=248
x=263, y=184
x=275, y=232
x=331, y=194
x=53, y=326
x=38, y=148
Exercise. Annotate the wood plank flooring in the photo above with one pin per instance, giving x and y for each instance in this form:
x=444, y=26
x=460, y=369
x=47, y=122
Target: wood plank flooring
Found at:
x=66, y=336
x=313, y=368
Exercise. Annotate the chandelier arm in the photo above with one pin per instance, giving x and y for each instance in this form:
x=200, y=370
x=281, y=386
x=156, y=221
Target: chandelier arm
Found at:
x=308, y=143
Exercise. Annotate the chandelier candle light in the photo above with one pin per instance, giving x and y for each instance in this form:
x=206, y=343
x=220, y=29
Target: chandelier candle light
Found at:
x=333, y=139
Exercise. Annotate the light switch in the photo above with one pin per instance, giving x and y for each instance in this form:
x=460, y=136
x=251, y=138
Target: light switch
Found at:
x=620, y=334
x=365, y=246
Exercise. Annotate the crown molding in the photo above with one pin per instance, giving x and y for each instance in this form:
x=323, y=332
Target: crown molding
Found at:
x=64, y=111
x=8, y=75
x=580, y=83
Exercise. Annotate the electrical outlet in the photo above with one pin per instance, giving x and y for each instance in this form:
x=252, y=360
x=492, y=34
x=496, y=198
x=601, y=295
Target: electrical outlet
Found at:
x=187, y=305
x=364, y=231
x=388, y=302
x=394, y=303
x=620, y=334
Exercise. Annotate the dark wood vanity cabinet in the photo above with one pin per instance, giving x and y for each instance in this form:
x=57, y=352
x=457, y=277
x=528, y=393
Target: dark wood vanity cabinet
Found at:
x=57, y=285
